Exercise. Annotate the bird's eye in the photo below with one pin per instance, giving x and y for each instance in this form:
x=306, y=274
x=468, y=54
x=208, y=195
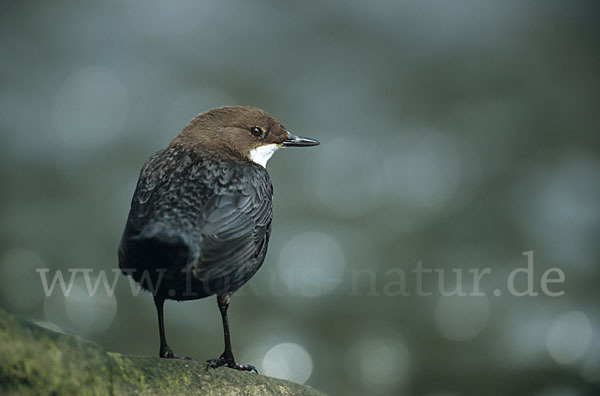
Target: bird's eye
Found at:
x=256, y=131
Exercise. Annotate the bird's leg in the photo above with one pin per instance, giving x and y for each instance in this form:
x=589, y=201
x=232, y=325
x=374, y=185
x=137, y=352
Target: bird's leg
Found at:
x=165, y=351
x=226, y=358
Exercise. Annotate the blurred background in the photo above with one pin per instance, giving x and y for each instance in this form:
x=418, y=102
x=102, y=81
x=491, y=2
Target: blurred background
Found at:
x=457, y=134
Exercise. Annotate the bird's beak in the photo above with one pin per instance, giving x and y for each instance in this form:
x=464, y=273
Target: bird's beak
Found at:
x=299, y=141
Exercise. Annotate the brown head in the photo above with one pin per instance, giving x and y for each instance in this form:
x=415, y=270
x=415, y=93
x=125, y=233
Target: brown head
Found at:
x=243, y=131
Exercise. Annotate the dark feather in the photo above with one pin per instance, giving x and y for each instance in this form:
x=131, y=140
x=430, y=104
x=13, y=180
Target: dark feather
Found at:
x=202, y=217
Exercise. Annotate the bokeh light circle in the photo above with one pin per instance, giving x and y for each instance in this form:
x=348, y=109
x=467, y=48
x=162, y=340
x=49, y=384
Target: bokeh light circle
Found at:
x=90, y=107
x=311, y=264
x=461, y=318
x=347, y=178
x=425, y=169
x=568, y=337
x=384, y=364
x=90, y=314
x=289, y=361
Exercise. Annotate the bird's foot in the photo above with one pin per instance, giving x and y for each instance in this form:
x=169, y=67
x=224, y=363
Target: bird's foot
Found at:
x=167, y=353
x=229, y=361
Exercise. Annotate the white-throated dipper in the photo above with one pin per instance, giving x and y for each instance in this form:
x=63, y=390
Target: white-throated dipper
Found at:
x=200, y=217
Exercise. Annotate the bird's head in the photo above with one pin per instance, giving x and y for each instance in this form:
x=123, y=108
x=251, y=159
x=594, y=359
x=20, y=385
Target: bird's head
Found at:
x=244, y=131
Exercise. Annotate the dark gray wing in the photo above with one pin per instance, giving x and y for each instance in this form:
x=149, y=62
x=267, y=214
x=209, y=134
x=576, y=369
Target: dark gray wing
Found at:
x=235, y=228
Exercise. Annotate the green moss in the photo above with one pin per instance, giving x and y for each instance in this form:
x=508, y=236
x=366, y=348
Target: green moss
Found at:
x=36, y=361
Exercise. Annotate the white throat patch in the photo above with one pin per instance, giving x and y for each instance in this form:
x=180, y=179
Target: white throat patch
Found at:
x=262, y=154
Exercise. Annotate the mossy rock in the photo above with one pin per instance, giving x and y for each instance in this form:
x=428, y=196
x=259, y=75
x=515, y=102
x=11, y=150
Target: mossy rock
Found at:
x=37, y=361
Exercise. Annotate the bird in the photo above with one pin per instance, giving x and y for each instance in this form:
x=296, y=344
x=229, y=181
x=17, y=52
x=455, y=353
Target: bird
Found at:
x=200, y=217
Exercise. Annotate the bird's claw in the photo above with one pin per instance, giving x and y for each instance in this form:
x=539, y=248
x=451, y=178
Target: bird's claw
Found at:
x=221, y=361
x=167, y=353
